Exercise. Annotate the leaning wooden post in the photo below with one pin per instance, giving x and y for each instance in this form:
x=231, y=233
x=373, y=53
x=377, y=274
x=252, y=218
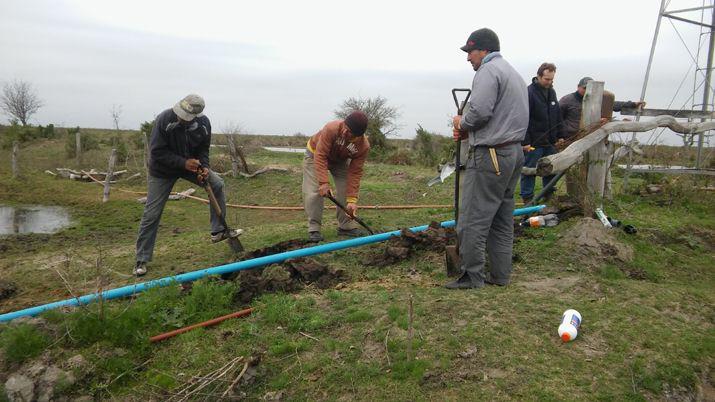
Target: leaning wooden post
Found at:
x=110, y=172
x=78, y=147
x=15, y=151
x=146, y=154
x=233, y=154
x=242, y=157
x=597, y=156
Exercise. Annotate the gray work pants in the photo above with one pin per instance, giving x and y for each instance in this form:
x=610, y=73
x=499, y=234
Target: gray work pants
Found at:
x=158, y=190
x=486, y=216
x=313, y=202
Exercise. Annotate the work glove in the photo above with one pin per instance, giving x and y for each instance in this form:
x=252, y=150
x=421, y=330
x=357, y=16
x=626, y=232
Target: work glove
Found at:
x=324, y=190
x=192, y=165
x=351, y=209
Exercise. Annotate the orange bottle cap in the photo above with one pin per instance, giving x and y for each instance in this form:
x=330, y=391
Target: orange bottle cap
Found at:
x=565, y=337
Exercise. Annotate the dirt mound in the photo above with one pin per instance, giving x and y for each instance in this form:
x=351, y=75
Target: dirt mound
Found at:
x=593, y=242
x=7, y=289
x=402, y=247
x=289, y=276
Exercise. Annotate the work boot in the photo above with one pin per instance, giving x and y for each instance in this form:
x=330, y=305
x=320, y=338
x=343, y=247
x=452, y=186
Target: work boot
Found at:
x=315, y=237
x=463, y=283
x=352, y=232
x=140, y=268
x=221, y=236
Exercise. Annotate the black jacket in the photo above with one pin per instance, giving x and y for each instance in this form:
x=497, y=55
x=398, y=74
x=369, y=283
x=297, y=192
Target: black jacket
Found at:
x=172, y=144
x=544, y=117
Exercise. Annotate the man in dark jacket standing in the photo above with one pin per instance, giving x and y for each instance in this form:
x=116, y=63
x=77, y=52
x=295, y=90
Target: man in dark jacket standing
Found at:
x=545, y=126
x=179, y=148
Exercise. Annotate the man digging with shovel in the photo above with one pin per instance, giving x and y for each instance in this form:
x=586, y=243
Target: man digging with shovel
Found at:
x=495, y=120
x=179, y=148
x=340, y=148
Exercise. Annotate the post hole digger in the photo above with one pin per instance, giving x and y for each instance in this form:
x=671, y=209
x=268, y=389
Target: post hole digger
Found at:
x=452, y=252
x=231, y=236
x=353, y=217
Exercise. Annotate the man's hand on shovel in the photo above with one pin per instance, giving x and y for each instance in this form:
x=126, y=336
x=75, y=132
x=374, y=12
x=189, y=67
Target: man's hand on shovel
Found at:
x=324, y=190
x=351, y=209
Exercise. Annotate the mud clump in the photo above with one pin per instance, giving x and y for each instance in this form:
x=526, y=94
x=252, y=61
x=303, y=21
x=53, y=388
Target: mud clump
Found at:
x=288, y=276
x=402, y=247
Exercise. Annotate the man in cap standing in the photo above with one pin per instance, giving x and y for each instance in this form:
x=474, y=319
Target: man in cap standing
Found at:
x=495, y=122
x=179, y=148
x=340, y=148
x=572, y=103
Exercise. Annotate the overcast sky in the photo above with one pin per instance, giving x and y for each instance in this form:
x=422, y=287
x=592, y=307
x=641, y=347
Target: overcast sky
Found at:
x=283, y=67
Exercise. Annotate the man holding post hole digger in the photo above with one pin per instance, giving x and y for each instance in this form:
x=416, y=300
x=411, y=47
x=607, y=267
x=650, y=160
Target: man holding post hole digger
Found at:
x=179, y=148
x=495, y=122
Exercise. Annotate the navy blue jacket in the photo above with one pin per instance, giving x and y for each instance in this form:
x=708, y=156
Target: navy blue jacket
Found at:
x=172, y=144
x=545, y=125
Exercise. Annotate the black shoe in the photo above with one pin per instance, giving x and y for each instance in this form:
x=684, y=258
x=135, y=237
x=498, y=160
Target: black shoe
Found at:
x=315, y=237
x=490, y=282
x=352, y=232
x=463, y=283
x=140, y=269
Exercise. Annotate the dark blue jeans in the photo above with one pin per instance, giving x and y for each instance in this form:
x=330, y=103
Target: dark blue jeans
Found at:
x=530, y=159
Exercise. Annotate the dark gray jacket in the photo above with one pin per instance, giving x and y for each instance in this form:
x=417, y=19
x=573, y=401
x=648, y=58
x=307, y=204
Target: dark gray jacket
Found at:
x=498, y=110
x=544, y=116
x=172, y=144
x=571, y=105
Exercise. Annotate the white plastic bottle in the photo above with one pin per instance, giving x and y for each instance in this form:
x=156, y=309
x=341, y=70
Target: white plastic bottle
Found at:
x=541, y=221
x=570, y=323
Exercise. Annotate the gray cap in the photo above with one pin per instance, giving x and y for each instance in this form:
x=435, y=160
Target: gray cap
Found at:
x=190, y=107
x=582, y=83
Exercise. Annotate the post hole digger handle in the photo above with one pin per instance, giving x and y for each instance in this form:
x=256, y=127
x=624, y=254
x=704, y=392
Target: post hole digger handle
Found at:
x=355, y=218
x=458, y=150
x=233, y=242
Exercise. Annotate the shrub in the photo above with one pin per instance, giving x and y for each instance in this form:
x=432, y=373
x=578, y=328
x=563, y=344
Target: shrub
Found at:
x=24, y=134
x=430, y=148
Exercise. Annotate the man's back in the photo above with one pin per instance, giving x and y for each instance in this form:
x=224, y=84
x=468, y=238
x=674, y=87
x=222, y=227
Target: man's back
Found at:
x=499, y=104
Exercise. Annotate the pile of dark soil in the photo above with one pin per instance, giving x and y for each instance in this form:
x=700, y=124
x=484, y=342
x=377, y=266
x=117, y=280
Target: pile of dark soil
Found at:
x=7, y=289
x=289, y=276
x=435, y=238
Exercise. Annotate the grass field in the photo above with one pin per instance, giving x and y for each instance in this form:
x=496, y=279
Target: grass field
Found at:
x=644, y=337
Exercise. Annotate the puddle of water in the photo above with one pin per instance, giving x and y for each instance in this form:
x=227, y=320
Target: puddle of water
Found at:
x=32, y=219
x=285, y=149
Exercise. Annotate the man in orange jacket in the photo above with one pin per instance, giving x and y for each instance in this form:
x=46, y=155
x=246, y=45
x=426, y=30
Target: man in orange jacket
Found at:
x=340, y=148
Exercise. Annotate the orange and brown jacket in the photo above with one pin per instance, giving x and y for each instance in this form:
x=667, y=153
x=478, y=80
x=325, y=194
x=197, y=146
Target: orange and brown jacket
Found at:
x=334, y=144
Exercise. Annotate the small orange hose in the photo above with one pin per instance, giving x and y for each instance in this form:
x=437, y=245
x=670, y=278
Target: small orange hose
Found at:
x=208, y=323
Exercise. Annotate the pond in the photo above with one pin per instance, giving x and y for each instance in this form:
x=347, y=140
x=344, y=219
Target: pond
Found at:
x=32, y=219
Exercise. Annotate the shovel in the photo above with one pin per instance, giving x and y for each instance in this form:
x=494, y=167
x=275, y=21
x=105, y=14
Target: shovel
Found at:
x=355, y=218
x=233, y=242
x=451, y=253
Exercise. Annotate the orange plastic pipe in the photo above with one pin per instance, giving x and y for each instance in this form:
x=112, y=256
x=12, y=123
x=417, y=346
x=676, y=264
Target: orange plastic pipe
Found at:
x=208, y=323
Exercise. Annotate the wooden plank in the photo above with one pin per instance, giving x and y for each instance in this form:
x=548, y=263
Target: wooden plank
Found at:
x=574, y=153
x=683, y=114
x=78, y=147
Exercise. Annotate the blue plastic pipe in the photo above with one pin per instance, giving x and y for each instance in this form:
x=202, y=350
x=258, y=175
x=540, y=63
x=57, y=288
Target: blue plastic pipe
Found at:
x=232, y=267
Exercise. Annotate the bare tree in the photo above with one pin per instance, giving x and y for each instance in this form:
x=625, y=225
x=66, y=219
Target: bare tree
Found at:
x=232, y=130
x=116, y=115
x=381, y=116
x=20, y=101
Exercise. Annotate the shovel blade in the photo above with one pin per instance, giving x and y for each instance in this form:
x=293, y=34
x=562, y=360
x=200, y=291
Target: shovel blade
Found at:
x=453, y=263
x=235, y=244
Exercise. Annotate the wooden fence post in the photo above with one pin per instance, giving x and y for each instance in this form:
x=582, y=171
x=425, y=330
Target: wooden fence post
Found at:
x=597, y=156
x=78, y=147
x=110, y=172
x=15, y=151
x=146, y=154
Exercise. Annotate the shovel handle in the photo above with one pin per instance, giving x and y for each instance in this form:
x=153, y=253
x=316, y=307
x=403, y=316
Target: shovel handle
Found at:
x=458, y=150
x=355, y=218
